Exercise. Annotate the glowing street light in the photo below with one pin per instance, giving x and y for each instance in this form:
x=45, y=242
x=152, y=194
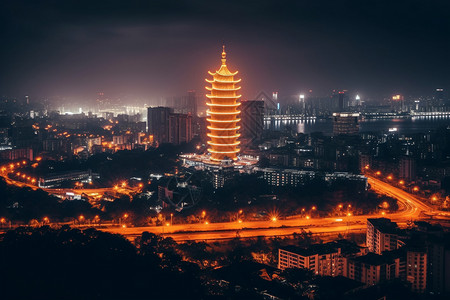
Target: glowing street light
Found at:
x=307, y=217
x=401, y=182
x=378, y=173
x=389, y=177
x=416, y=189
x=274, y=219
x=313, y=208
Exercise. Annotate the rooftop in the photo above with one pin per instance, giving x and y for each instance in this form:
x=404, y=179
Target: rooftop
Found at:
x=372, y=259
x=327, y=248
x=384, y=225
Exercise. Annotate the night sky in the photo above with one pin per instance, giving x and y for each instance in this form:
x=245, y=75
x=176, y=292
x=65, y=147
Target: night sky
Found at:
x=153, y=49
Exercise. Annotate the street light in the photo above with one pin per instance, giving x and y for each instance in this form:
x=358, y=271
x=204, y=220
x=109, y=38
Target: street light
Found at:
x=171, y=219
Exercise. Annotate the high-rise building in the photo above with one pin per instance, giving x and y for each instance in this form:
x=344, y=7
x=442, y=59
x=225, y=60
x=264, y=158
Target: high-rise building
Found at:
x=345, y=123
x=382, y=235
x=252, y=120
x=192, y=103
x=365, y=162
x=223, y=113
x=158, y=123
x=439, y=97
x=416, y=268
x=407, y=168
x=180, y=128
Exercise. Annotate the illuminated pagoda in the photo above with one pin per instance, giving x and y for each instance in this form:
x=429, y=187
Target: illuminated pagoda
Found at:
x=223, y=113
x=222, y=160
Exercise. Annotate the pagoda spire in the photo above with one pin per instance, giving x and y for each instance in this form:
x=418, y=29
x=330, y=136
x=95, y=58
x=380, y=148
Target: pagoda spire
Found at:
x=224, y=56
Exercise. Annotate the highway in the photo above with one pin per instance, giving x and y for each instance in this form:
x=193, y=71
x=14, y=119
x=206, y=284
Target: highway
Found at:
x=411, y=208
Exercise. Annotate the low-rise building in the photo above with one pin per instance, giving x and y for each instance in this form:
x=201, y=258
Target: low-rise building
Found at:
x=322, y=259
x=372, y=269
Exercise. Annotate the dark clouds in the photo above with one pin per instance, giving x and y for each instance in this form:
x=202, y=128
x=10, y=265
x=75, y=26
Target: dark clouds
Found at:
x=158, y=48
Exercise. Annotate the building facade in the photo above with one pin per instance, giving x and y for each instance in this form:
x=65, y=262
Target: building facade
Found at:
x=158, y=123
x=180, y=128
x=345, y=123
x=252, y=120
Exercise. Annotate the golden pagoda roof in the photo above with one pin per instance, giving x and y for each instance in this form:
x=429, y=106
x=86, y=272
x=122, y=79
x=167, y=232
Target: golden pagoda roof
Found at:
x=223, y=71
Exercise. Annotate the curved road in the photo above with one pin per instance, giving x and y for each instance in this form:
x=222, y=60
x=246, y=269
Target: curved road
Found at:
x=411, y=208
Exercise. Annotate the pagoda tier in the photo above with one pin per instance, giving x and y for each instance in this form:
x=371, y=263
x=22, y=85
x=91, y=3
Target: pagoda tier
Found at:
x=223, y=113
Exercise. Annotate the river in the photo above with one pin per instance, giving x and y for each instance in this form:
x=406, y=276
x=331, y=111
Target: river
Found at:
x=402, y=125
